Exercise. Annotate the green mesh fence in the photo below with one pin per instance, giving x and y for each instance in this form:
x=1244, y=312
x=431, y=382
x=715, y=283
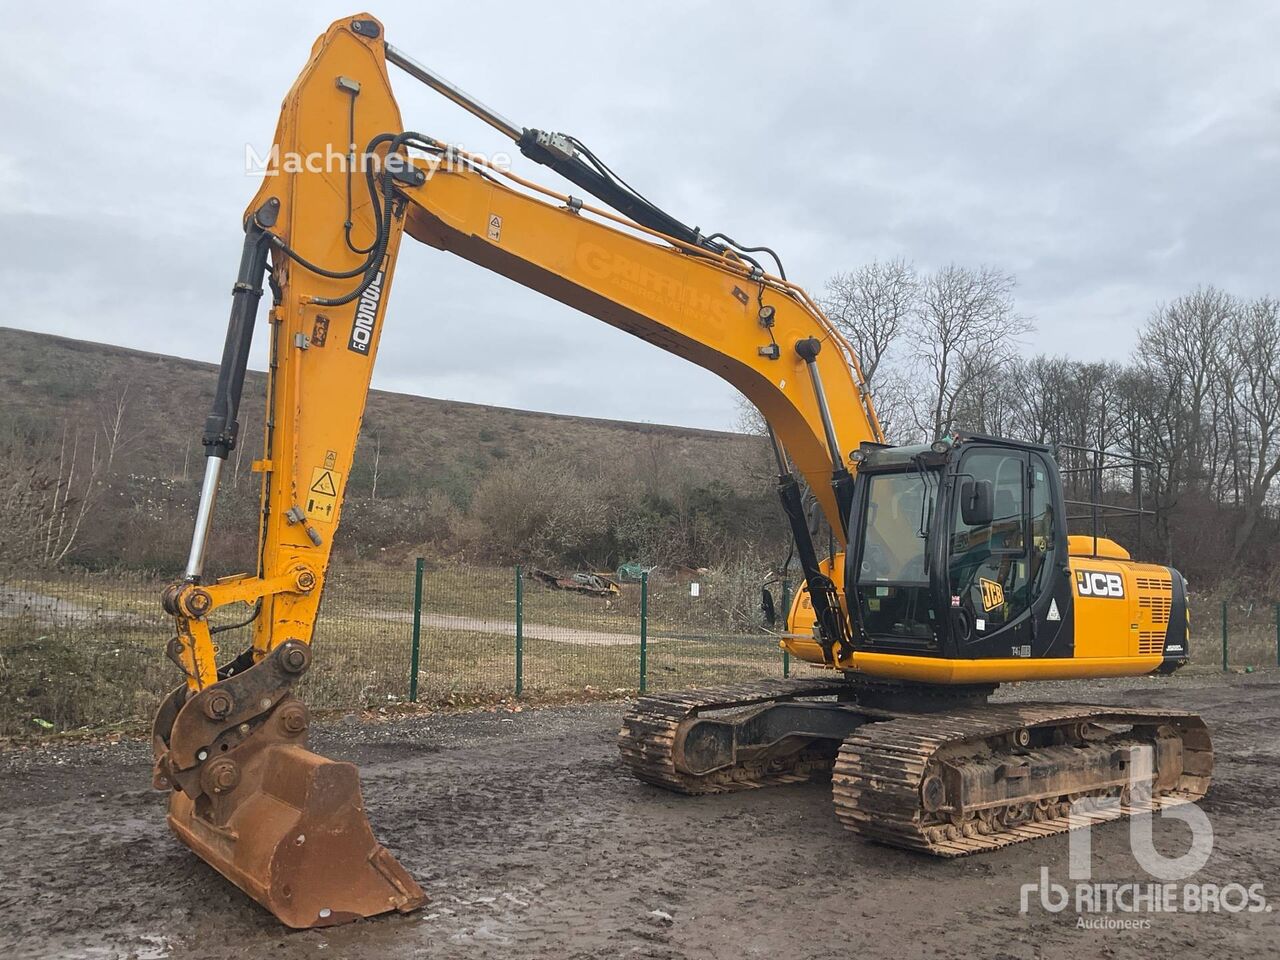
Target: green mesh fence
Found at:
x=468, y=650
x=1235, y=634
x=705, y=631
x=577, y=642
x=86, y=650
x=80, y=649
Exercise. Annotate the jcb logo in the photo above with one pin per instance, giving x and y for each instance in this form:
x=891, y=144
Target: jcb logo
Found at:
x=1095, y=583
x=992, y=594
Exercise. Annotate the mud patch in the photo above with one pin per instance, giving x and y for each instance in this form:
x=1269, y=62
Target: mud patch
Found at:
x=533, y=842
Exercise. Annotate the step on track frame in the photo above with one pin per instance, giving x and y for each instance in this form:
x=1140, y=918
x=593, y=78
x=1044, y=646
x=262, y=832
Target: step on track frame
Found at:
x=652, y=738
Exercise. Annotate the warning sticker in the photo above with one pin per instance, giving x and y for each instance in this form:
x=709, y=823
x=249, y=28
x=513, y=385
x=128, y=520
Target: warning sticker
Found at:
x=1053, y=611
x=322, y=495
x=495, y=228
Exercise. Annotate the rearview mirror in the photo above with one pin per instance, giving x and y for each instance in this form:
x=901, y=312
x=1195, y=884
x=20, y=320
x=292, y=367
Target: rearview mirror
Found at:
x=977, y=503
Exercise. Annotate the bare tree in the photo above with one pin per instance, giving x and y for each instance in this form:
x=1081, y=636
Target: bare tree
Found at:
x=871, y=306
x=1254, y=354
x=965, y=330
x=989, y=404
x=71, y=493
x=377, y=466
x=1043, y=386
x=49, y=490
x=750, y=420
x=242, y=441
x=25, y=493
x=894, y=396
x=113, y=427
x=1182, y=347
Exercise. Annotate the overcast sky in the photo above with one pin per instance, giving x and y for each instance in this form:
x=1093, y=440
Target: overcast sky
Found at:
x=1110, y=155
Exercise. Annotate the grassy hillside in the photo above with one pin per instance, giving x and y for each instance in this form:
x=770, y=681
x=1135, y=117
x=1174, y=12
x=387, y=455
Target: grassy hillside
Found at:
x=432, y=455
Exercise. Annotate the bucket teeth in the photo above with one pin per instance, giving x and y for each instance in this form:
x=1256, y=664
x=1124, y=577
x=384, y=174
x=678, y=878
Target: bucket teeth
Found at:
x=285, y=825
x=291, y=832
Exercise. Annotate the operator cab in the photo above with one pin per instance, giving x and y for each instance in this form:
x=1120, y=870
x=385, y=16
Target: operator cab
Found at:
x=958, y=549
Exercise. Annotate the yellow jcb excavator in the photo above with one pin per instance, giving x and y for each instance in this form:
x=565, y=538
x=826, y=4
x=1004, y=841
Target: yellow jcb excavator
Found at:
x=955, y=571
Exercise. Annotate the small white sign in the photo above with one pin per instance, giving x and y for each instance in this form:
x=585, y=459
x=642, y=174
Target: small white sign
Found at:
x=980, y=624
x=695, y=589
x=1053, y=611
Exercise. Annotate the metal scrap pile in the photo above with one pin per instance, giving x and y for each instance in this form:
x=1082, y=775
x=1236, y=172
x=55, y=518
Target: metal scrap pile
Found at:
x=591, y=584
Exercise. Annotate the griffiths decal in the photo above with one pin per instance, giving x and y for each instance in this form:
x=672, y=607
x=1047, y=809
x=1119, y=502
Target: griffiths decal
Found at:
x=643, y=287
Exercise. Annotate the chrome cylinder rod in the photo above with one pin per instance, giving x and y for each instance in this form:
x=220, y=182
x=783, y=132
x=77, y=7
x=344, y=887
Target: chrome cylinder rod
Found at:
x=204, y=517
x=779, y=454
x=458, y=96
x=808, y=350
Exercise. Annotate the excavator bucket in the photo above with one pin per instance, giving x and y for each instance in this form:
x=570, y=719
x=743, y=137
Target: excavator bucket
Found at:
x=285, y=825
x=298, y=842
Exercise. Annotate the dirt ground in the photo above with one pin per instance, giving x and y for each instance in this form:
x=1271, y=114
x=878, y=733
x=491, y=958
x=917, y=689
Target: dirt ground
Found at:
x=533, y=842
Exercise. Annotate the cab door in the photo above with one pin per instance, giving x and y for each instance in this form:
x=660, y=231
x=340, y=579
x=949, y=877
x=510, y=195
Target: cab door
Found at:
x=989, y=565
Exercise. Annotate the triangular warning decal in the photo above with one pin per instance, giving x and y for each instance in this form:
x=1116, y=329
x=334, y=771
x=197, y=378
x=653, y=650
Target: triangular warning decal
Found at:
x=324, y=485
x=1053, y=611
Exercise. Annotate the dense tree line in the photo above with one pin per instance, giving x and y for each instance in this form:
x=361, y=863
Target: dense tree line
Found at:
x=1199, y=397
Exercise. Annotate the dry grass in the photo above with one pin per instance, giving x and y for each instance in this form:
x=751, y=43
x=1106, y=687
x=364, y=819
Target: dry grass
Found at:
x=1252, y=640
x=87, y=650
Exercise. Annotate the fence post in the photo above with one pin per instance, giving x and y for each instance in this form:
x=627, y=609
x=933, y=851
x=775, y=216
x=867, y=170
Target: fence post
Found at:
x=414, y=659
x=786, y=615
x=519, y=630
x=1224, y=636
x=644, y=631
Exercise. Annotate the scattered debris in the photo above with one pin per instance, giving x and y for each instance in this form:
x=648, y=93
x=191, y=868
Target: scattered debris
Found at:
x=592, y=584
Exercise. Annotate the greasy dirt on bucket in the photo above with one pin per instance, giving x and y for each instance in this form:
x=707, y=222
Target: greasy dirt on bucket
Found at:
x=532, y=841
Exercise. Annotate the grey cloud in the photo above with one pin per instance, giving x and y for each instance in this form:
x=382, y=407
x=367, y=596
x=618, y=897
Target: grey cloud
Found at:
x=1111, y=156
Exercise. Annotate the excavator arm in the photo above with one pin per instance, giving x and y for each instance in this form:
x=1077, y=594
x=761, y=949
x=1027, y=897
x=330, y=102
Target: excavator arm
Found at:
x=322, y=237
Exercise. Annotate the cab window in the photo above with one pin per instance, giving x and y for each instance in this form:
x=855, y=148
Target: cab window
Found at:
x=893, y=548
x=988, y=570
x=893, y=592
x=1042, y=524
